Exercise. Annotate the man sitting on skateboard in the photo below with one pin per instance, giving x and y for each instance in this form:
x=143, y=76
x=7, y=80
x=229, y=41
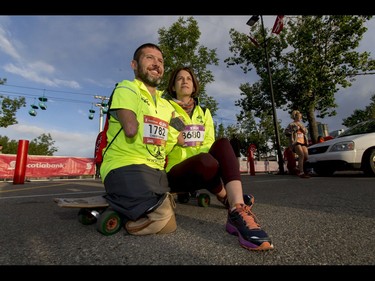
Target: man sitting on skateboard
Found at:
x=139, y=136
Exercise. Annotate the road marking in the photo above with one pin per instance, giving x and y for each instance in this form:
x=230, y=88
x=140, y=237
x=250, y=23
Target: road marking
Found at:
x=48, y=195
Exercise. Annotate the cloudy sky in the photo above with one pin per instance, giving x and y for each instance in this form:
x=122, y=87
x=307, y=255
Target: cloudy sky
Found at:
x=71, y=59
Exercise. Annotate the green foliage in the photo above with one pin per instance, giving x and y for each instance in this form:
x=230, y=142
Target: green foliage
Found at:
x=220, y=132
x=5, y=142
x=42, y=145
x=361, y=115
x=9, y=108
x=180, y=46
x=310, y=60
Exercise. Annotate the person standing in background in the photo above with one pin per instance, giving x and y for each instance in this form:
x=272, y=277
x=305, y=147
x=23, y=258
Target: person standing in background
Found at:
x=267, y=166
x=298, y=142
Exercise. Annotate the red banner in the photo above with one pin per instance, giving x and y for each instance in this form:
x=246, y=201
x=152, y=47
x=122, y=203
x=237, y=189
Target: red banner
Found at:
x=278, y=25
x=47, y=166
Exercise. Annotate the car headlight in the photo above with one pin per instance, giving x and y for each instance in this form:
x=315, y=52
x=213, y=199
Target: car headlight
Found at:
x=343, y=146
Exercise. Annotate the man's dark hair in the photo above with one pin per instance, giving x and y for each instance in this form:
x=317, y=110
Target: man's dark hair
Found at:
x=138, y=51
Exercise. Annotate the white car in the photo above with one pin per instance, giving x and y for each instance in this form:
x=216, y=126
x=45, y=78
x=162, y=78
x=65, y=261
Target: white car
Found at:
x=353, y=150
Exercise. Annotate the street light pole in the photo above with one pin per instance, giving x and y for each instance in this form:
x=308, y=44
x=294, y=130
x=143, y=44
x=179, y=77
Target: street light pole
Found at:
x=251, y=22
x=101, y=114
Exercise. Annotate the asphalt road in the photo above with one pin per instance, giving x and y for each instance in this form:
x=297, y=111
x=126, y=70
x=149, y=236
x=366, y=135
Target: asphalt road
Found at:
x=325, y=221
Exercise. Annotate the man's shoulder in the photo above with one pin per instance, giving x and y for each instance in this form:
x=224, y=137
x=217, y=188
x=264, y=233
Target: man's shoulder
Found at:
x=128, y=85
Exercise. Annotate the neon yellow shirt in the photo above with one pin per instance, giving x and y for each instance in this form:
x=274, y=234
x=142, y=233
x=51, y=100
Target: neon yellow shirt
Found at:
x=199, y=135
x=154, y=137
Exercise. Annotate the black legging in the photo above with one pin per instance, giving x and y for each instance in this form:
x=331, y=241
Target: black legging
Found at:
x=206, y=170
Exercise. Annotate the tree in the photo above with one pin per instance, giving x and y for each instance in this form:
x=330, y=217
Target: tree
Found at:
x=310, y=60
x=42, y=145
x=7, y=147
x=220, y=132
x=361, y=115
x=180, y=47
x=9, y=108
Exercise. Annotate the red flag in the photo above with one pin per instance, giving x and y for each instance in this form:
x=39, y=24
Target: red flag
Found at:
x=278, y=25
x=255, y=42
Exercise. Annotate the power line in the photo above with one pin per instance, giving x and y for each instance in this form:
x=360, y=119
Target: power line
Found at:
x=45, y=97
x=100, y=97
x=54, y=98
x=13, y=93
x=40, y=89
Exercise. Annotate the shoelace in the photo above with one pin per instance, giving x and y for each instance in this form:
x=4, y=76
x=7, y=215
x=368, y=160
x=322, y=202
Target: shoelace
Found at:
x=225, y=202
x=171, y=199
x=249, y=217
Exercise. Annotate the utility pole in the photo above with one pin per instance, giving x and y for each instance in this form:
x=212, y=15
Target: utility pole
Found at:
x=103, y=106
x=251, y=22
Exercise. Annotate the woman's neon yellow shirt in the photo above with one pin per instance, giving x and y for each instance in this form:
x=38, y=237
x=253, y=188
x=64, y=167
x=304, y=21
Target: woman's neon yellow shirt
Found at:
x=202, y=118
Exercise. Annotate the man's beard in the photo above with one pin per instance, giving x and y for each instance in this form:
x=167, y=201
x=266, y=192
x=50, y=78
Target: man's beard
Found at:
x=148, y=79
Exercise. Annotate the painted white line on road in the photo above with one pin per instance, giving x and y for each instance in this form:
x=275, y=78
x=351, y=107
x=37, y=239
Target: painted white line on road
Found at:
x=52, y=194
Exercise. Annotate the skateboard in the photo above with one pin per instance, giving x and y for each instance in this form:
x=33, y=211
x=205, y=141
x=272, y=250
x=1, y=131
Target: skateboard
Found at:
x=94, y=209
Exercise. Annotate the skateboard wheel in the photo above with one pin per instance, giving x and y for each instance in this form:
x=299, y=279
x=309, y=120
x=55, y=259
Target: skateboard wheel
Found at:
x=204, y=200
x=109, y=222
x=183, y=197
x=86, y=217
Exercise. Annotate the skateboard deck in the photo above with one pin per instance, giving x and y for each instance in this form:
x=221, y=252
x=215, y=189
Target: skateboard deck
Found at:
x=82, y=202
x=93, y=210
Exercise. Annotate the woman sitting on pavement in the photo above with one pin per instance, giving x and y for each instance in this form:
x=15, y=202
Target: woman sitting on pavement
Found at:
x=200, y=162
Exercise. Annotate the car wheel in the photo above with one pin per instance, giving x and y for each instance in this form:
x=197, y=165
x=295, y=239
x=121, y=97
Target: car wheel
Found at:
x=368, y=162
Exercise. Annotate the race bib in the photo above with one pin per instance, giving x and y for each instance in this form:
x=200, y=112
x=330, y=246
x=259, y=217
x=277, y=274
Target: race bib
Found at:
x=155, y=130
x=193, y=135
x=300, y=138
